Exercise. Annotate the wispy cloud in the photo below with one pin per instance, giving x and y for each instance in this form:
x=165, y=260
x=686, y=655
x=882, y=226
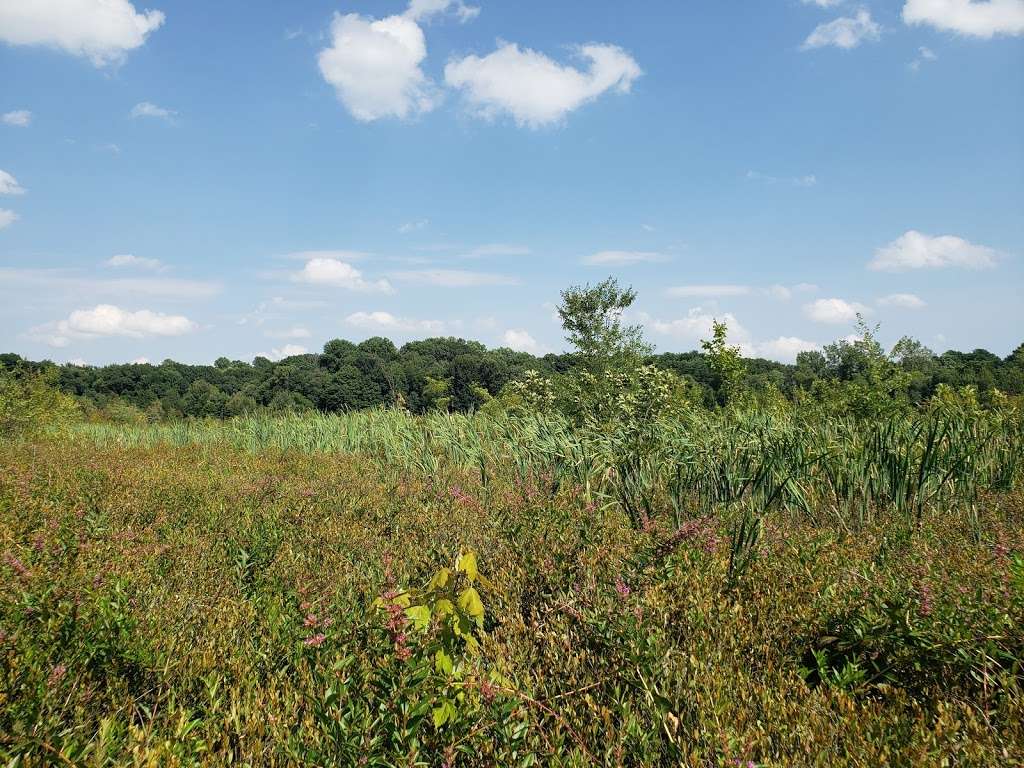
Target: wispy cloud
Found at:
x=19, y=118
x=623, y=258
x=149, y=109
x=454, y=278
x=846, y=32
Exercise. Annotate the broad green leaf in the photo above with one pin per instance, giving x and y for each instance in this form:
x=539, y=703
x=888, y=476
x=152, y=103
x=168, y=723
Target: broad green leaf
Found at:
x=469, y=601
x=440, y=578
x=443, y=662
x=419, y=615
x=467, y=564
x=444, y=712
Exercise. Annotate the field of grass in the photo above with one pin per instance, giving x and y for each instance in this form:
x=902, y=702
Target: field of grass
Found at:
x=717, y=590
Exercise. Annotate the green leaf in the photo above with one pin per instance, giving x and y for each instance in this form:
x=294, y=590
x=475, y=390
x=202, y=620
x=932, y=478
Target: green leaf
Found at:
x=444, y=607
x=467, y=564
x=444, y=712
x=469, y=601
x=419, y=615
x=443, y=662
x=440, y=578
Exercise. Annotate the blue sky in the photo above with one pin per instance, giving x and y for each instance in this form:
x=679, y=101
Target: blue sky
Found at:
x=201, y=179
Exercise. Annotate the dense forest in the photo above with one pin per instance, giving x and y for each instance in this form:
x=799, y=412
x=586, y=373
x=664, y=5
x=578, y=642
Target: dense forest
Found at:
x=458, y=375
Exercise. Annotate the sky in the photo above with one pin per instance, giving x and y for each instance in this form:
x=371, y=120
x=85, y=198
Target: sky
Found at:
x=194, y=180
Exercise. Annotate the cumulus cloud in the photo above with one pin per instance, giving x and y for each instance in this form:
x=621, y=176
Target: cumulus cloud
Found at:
x=338, y=274
x=374, y=67
x=288, y=350
x=7, y=218
x=846, y=32
x=784, y=349
x=454, y=278
x=623, y=258
x=9, y=185
x=707, y=291
x=20, y=118
x=834, y=311
x=902, y=300
x=971, y=18
x=101, y=30
x=148, y=109
x=915, y=250
x=109, y=320
x=534, y=89
x=129, y=260
x=697, y=325
x=521, y=341
x=385, y=321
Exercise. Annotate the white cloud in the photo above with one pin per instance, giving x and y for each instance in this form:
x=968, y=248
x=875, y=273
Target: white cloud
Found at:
x=9, y=185
x=707, y=291
x=56, y=283
x=7, y=217
x=697, y=325
x=413, y=226
x=148, y=109
x=534, y=89
x=784, y=348
x=521, y=341
x=623, y=258
x=140, y=361
x=374, y=67
x=20, y=118
x=296, y=332
x=902, y=300
x=834, y=311
x=338, y=274
x=846, y=32
x=288, y=350
x=385, y=321
x=128, y=260
x=454, y=278
x=915, y=250
x=424, y=9
x=823, y=3
x=972, y=18
x=923, y=55
x=340, y=255
x=101, y=30
x=108, y=320
x=497, y=249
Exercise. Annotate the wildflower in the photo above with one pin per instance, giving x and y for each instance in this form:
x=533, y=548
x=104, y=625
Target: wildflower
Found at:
x=310, y=621
x=488, y=691
x=16, y=565
x=56, y=675
x=316, y=640
x=622, y=588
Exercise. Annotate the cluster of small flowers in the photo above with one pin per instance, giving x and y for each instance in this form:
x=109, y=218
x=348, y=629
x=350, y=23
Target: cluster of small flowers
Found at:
x=461, y=496
x=16, y=565
x=622, y=588
x=396, y=624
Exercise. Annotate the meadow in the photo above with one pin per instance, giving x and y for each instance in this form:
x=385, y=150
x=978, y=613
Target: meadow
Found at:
x=741, y=587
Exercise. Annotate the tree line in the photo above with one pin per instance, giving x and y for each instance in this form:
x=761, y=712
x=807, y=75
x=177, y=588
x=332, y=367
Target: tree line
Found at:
x=457, y=375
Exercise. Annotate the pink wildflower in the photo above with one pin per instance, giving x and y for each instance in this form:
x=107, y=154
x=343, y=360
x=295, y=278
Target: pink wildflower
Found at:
x=316, y=640
x=622, y=588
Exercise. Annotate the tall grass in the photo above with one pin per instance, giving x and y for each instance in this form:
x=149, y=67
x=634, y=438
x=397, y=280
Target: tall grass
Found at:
x=842, y=468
